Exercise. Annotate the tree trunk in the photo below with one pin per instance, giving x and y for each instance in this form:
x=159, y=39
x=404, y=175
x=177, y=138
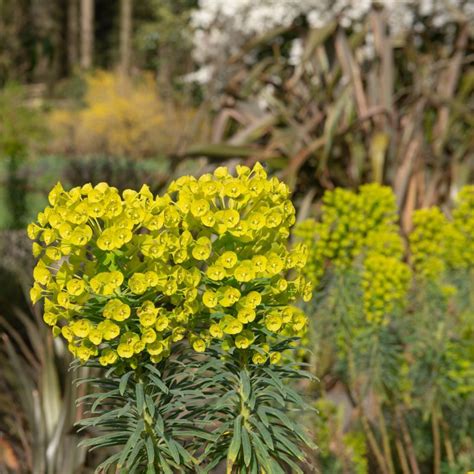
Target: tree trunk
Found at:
x=72, y=33
x=125, y=35
x=87, y=33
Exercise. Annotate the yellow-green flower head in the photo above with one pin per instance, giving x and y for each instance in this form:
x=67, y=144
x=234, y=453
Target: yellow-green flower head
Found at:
x=463, y=228
x=439, y=244
x=350, y=225
x=358, y=232
x=428, y=242
x=124, y=276
x=385, y=283
x=241, y=226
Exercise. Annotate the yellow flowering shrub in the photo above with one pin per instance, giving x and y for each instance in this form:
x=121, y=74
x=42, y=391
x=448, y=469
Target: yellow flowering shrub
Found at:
x=123, y=277
x=122, y=116
x=358, y=231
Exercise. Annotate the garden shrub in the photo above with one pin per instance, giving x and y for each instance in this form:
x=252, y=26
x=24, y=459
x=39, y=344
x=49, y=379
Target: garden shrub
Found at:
x=142, y=284
x=123, y=116
x=393, y=324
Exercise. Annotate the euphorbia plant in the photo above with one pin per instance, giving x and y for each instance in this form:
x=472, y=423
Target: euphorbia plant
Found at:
x=142, y=284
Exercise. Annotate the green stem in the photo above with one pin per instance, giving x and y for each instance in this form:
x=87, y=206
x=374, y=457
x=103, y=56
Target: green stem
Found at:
x=402, y=456
x=243, y=410
x=148, y=422
x=407, y=439
x=436, y=443
x=385, y=439
x=376, y=450
x=448, y=444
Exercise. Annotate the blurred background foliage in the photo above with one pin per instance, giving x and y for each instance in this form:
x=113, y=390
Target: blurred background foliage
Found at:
x=392, y=334
x=329, y=95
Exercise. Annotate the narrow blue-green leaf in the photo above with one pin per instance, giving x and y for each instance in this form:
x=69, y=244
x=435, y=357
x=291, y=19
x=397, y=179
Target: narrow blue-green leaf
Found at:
x=234, y=447
x=246, y=446
x=101, y=398
x=290, y=446
x=104, y=466
x=275, y=467
x=124, y=381
x=124, y=410
x=136, y=451
x=294, y=467
x=173, y=450
x=261, y=452
x=159, y=383
x=281, y=416
x=153, y=369
x=263, y=416
x=132, y=440
x=150, y=405
x=253, y=468
x=159, y=425
x=150, y=451
x=164, y=465
x=267, y=437
x=275, y=379
x=245, y=384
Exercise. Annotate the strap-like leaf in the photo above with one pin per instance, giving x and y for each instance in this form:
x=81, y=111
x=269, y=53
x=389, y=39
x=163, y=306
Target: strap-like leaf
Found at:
x=246, y=446
x=124, y=381
x=234, y=447
x=245, y=384
x=150, y=451
x=267, y=437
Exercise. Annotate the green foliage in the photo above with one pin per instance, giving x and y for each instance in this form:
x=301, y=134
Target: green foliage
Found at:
x=20, y=129
x=37, y=411
x=148, y=413
x=254, y=403
x=189, y=415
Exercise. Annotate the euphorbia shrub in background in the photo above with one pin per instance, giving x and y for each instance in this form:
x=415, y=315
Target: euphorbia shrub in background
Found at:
x=142, y=284
x=392, y=332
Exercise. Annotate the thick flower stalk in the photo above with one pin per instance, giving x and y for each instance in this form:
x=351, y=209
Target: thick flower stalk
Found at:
x=126, y=277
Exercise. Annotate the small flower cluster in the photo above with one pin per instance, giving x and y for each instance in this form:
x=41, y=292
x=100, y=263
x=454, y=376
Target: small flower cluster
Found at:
x=123, y=277
x=427, y=242
x=463, y=223
x=438, y=244
x=385, y=282
x=358, y=230
x=349, y=222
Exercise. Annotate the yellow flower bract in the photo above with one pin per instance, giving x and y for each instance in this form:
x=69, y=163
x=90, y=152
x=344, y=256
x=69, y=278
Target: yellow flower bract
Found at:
x=127, y=275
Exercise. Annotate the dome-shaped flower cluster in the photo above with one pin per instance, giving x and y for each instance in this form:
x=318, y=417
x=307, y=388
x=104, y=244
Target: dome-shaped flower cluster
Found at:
x=123, y=277
x=348, y=222
x=359, y=231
